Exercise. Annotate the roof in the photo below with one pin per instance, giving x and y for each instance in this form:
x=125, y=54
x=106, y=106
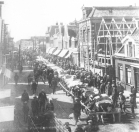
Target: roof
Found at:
x=52, y=29
x=135, y=35
x=114, y=11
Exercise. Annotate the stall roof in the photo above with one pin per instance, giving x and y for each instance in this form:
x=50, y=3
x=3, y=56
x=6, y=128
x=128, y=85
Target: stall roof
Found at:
x=69, y=54
x=63, y=53
x=51, y=50
x=57, y=52
x=47, y=50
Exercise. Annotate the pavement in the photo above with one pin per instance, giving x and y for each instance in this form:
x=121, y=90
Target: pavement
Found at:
x=62, y=103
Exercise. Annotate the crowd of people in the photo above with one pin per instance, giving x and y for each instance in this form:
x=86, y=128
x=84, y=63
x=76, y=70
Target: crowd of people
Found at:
x=104, y=84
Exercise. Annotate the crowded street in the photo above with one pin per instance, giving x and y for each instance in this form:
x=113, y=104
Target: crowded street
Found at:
x=63, y=105
x=69, y=66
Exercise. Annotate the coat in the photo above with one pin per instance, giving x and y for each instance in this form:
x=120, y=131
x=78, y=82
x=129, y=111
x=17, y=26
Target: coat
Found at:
x=25, y=97
x=35, y=105
x=42, y=97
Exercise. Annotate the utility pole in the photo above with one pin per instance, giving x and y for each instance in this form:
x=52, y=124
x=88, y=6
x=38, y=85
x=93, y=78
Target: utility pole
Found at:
x=19, y=52
x=105, y=40
x=94, y=56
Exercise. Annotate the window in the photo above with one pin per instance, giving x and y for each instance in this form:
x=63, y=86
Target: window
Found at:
x=88, y=35
x=128, y=75
x=76, y=44
x=120, y=71
x=83, y=35
x=70, y=42
x=130, y=49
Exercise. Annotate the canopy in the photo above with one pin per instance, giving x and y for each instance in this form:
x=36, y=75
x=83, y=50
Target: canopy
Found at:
x=63, y=53
x=57, y=52
x=51, y=50
x=47, y=49
x=69, y=54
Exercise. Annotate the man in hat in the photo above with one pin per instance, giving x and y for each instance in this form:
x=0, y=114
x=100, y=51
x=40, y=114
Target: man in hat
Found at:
x=77, y=110
x=25, y=96
x=16, y=78
x=120, y=88
x=55, y=81
x=42, y=98
x=114, y=95
x=102, y=87
x=108, y=89
x=34, y=86
x=132, y=104
x=121, y=101
x=134, y=91
x=25, y=111
x=67, y=126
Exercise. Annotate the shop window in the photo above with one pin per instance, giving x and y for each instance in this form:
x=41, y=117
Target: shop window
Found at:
x=120, y=72
x=128, y=75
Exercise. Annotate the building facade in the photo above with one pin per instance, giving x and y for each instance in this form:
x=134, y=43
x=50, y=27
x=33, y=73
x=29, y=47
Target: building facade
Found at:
x=63, y=38
x=127, y=61
x=101, y=31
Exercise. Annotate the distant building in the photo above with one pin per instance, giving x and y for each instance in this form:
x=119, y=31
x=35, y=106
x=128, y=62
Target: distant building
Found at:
x=62, y=41
x=127, y=61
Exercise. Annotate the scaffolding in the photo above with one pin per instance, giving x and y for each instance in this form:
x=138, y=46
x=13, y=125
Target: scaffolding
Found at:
x=110, y=34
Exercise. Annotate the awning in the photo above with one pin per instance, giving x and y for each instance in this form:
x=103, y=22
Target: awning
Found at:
x=69, y=54
x=57, y=52
x=47, y=49
x=51, y=50
x=135, y=65
x=63, y=53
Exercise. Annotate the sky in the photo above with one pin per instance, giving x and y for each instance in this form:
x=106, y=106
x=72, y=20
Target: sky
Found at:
x=28, y=18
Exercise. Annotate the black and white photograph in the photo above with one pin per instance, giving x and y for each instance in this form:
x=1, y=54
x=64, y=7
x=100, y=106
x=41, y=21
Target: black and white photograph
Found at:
x=69, y=66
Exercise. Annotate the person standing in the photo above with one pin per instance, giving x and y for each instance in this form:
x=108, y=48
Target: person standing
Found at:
x=55, y=81
x=34, y=86
x=120, y=88
x=42, y=98
x=134, y=91
x=25, y=97
x=108, y=89
x=16, y=78
x=35, y=106
x=121, y=101
x=132, y=103
x=77, y=110
x=102, y=87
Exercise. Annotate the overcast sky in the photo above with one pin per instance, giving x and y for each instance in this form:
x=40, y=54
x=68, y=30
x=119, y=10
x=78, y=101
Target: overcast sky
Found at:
x=28, y=18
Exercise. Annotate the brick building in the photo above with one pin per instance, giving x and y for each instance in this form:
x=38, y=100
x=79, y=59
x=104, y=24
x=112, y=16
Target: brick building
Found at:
x=101, y=31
